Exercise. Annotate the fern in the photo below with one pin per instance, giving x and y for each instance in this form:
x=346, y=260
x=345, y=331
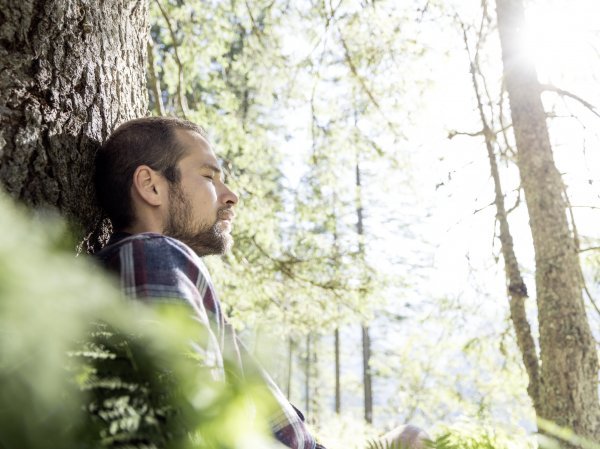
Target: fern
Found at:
x=130, y=399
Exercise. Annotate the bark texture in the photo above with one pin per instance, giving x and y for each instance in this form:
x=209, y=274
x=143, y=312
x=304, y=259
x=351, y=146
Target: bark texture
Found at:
x=569, y=363
x=70, y=71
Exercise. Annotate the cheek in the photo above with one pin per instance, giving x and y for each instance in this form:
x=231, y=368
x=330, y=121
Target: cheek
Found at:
x=204, y=203
x=206, y=196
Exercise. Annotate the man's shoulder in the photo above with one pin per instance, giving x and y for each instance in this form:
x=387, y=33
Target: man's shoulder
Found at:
x=147, y=241
x=154, y=265
x=149, y=249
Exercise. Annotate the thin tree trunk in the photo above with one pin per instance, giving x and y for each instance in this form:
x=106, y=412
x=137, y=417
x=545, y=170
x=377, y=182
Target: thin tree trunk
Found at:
x=290, y=359
x=516, y=288
x=336, y=332
x=366, y=340
x=69, y=72
x=307, y=373
x=569, y=369
x=314, y=417
x=366, y=345
x=338, y=392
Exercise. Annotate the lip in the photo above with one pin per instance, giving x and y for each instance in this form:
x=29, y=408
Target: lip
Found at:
x=227, y=215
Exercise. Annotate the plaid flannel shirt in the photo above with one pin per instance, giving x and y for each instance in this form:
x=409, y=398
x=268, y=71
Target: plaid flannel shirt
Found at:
x=157, y=267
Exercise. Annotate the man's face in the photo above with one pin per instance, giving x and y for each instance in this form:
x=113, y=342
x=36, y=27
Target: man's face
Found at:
x=200, y=211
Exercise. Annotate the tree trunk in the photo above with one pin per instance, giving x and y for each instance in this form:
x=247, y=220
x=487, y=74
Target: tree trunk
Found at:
x=307, y=366
x=368, y=390
x=569, y=368
x=70, y=71
x=366, y=340
x=517, y=290
x=315, y=373
x=290, y=358
x=338, y=391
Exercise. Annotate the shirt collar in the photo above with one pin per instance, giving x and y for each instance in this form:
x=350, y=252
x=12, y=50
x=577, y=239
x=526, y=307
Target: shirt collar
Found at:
x=117, y=237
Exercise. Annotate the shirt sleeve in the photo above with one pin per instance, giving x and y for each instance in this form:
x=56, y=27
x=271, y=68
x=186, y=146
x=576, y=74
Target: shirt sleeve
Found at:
x=286, y=421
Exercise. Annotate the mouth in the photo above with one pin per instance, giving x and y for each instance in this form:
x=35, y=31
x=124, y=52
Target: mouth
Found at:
x=226, y=215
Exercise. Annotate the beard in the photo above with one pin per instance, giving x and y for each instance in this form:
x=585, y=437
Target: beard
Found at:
x=204, y=238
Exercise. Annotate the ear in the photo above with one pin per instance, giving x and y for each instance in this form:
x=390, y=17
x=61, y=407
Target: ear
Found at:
x=149, y=185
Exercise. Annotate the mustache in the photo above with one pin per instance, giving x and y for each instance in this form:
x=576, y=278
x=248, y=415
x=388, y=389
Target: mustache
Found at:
x=226, y=213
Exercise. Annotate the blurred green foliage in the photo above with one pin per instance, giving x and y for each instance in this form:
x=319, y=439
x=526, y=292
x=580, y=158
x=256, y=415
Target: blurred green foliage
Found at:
x=81, y=367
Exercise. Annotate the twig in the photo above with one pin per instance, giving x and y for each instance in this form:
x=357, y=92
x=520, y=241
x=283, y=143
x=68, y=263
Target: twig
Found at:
x=483, y=208
x=452, y=134
x=517, y=202
x=258, y=31
x=590, y=248
x=423, y=10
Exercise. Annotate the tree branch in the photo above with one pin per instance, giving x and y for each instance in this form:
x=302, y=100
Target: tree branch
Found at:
x=590, y=248
x=362, y=83
x=566, y=93
x=180, y=81
x=257, y=31
x=452, y=134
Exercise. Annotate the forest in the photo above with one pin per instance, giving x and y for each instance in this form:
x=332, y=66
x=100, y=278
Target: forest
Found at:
x=414, y=238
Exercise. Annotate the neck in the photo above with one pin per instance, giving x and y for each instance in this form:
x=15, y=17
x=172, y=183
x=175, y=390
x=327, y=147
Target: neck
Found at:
x=139, y=227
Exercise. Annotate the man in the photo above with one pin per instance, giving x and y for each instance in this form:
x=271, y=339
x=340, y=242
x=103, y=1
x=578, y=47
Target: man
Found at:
x=160, y=183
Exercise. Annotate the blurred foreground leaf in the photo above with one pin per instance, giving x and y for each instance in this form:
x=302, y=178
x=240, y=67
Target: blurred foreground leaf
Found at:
x=82, y=367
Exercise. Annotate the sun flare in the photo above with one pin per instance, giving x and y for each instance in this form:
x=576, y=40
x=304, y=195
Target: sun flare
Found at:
x=561, y=36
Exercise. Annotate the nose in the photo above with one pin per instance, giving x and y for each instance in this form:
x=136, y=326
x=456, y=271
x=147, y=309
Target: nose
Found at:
x=228, y=196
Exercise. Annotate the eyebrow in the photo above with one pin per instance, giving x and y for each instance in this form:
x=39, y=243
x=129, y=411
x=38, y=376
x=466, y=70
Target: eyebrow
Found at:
x=212, y=167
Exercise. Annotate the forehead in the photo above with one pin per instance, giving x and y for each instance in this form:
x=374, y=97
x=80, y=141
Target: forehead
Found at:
x=196, y=147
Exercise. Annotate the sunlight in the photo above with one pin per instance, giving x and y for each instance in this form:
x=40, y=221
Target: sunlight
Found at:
x=560, y=35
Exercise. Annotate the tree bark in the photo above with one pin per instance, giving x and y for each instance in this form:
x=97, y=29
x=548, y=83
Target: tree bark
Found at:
x=569, y=362
x=70, y=71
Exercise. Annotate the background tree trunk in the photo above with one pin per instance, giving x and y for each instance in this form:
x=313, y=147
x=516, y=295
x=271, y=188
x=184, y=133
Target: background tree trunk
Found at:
x=308, y=373
x=368, y=389
x=290, y=359
x=569, y=363
x=70, y=71
x=366, y=340
x=338, y=389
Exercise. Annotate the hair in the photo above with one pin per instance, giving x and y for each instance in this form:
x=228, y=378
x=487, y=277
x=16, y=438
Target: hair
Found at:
x=147, y=141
